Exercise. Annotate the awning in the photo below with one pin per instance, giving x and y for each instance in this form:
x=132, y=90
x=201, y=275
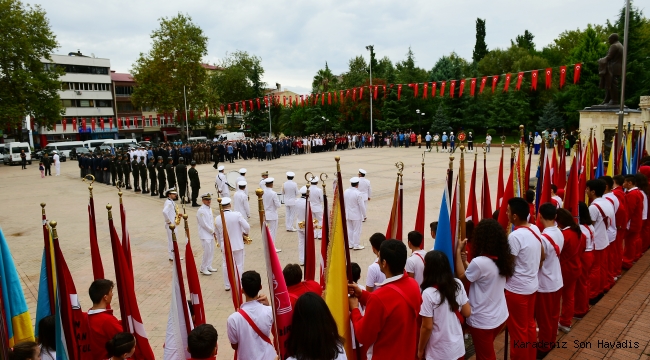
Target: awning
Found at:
x=170, y=131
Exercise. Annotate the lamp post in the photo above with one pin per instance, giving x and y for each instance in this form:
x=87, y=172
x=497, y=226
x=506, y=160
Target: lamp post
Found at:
x=326, y=121
x=187, y=125
x=419, y=121
x=371, y=49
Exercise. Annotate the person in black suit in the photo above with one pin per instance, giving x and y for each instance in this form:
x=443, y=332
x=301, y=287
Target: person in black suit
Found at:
x=153, y=181
x=126, y=168
x=169, y=169
x=143, y=174
x=195, y=183
x=136, y=174
x=181, y=177
x=47, y=163
x=162, y=178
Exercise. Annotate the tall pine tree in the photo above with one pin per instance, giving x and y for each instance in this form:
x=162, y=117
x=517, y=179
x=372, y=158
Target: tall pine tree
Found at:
x=480, y=48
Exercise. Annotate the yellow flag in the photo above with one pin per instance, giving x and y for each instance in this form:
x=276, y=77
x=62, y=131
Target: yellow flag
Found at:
x=612, y=156
x=336, y=284
x=629, y=149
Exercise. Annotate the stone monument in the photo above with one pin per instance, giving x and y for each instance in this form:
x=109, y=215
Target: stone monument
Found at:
x=610, y=69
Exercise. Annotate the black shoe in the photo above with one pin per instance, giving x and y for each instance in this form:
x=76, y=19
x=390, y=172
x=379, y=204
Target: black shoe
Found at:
x=595, y=300
x=153, y=194
x=129, y=188
x=145, y=192
x=195, y=205
x=162, y=197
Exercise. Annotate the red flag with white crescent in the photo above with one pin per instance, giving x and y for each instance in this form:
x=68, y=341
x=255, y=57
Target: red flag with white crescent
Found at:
x=472, y=87
x=399, y=91
x=433, y=89
x=361, y=93
x=394, y=229
x=420, y=215
x=533, y=79
x=562, y=75
x=442, y=88
x=486, y=201
x=500, y=182
x=520, y=77
x=462, y=88
x=495, y=80
x=576, y=72
x=452, y=88
x=507, y=83
x=483, y=82
x=63, y=123
x=549, y=77
x=472, y=206
x=425, y=91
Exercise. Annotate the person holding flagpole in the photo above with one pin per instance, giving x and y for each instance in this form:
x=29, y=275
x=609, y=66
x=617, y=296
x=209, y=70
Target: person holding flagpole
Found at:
x=171, y=216
x=316, y=203
x=271, y=206
x=237, y=228
x=205, y=220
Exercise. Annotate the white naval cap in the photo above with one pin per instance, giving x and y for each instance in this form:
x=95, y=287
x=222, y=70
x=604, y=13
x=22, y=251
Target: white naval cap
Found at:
x=361, y=171
x=206, y=196
x=242, y=183
x=225, y=201
x=354, y=180
x=242, y=171
x=269, y=180
x=171, y=191
x=291, y=174
x=303, y=190
x=221, y=167
x=314, y=180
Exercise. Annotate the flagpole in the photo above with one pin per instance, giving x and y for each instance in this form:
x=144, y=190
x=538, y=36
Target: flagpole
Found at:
x=344, y=218
x=325, y=232
x=522, y=167
x=230, y=263
x=461, y=179
x=181, y=283
x=400, y=199
x=450, y=175
x=269, y=272
x=98, y=269
x=48, y=261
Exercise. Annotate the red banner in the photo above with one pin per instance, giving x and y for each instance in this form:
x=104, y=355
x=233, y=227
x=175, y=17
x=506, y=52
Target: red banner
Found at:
x=452, y=88
x=101, y=123
x=376, y=90
x=399, y=91
x=462, y=88
x=533, y=80
x=472, y=87
x=361, y=93
x=576, y=73
x=562, y=75
x=92, y=123
x=507, y=84
x=74, y=124
x=229, y=108
x=354, y=94
x=442, y=88
x=425, y=91
x=236, y=107
x=83, y=123
x=483, y=81
x=64, y=123
x=110, y=123
x=495, y=80
x=549, y=77
x=520, y=77
x=433, y=89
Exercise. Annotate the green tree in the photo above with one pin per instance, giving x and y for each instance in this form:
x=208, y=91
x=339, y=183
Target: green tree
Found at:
x=27, y=87
x=357, y=73
x=407, y=72
x=324, y=80
x=384, y=70
x=480, y=48
x=551, y=118
x=525, y=41
x=172, y=68
x=440, y=121
x=393, y=112
x=452, y=67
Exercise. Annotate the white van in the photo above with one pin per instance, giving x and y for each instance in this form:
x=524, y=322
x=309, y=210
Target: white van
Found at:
x=232, y=136
x=2, y=152
x=120, y=143
x=92, y=144
x=198, y=139
x=63, y=147
x=12, y=153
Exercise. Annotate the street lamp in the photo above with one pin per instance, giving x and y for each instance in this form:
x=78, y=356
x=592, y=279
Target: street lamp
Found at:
x=419, y=121
x=326, y=121
x=187, y=125
x=371, y=49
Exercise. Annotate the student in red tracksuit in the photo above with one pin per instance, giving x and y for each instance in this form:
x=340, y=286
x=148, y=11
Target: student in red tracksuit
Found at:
x=600, y=212
x=547, y=301
x=121, y=346
x=292, y=276
x=621, y=223
x=521, y=287
x=634, y=201
x=612, y=232
x=581, y=304
x=202, y=343
x=487, y=273
x=570, y=264
x=390, y=320
x=530, y=199
x=101, y=323
x=642, y=184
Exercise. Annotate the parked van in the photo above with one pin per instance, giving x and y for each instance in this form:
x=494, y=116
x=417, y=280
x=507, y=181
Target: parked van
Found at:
x=92, y=144
x=2, y=152
x=63, y=147
x=232, y=136
x=12, y=153
x=120, y=143
x=198, y=139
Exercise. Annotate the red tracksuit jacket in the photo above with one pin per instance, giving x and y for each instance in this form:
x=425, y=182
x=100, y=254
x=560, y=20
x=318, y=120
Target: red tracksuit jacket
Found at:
x=103, y=326
x=634, y=202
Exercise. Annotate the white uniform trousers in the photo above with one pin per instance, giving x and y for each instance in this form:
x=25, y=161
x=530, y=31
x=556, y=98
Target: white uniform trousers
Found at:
x=354, y=232
x=301, y=246
x=273, y=228
x=290, y=217
x=318, y=233
x=57, y=167
x=170, y=243
x=238, y=258
x=208, y=254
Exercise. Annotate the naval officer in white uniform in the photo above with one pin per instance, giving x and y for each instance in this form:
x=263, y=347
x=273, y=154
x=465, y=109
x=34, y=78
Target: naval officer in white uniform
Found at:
x=355, y=211
x=290, y=192
x=237, y=227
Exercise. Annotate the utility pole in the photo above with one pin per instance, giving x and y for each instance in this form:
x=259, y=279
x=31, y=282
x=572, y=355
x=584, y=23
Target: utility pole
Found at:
x=371, y=48
x=621, y=114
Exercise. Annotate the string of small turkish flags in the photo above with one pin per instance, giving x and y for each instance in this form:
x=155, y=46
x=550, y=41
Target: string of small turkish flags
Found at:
x=313, y=99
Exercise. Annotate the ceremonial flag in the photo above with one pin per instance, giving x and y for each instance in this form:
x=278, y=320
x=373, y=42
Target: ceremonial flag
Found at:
x=520, y=77
x=71, y=323
x=452, y=88
x=278, y=293
x=442, y=88
x=394, y=229
x=126, y=238
x=472, y=207
x=425, y=91
x=399, y=91
x=325, y=237
x=562, y=75
x=310, y=246
x=63, y=123
x=454, y=216
x=495, y=79
x=193, y=284
x=527, y=177
x=486, y=201
x=554, y=167
x=444, y=241
x=546, y=193
x=533, y=79
x=96, y=259
x=599, y=167
x=13, y=310
x=586, y=171
x=472, y=87
x=483, y=81
x=549, y=77
x=507, y=84
x=47, y=281
x=419, y=216
x=610, y=163
x=234, y=278
x=500, y=182
x=572, y=194
x=338, y=272
x=462, y=88
x=433, y=89
x=179, y=323
x=635, y=159
x=129, y=309
x=576, y=73
x=507, y=195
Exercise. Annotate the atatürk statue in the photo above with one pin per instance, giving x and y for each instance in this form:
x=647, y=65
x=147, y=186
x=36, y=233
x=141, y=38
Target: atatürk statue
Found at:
x=610, y=69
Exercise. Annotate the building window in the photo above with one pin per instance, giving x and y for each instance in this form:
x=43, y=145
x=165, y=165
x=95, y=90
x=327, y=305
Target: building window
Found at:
x=103, y=103
x=67, y=103
x=123, y=90
x=82, y=69
x=85, y=103
x=124, y=107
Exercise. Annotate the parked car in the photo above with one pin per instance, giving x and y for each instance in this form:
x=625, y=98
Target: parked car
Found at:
x=74, y=153
x=39, y=155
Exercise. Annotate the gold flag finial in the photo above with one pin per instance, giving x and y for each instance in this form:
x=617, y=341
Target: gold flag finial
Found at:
x=43, y=209
x=323, y=177
x=91, y=179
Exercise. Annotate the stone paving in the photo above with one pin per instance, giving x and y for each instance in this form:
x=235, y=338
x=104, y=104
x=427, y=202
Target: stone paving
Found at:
x=67, y=198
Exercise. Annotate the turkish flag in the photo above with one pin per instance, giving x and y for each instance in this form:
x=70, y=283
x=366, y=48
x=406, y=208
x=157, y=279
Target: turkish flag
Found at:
x=250, y=105
x=243, y=106
x=354, y=94
x=64, y=123
x=83, y=123
x=361, y=93
x=230, y=108
x=92, y=123
x=462, y=88
x=425, y=91
x=452, y=88
x=507, y=84
x=442, y=88
x=329, y=98
x=520, y=77
x=110, y=123
x=385, y=93
x=433, y=89
x=562, y=75
x=399, y=91
x=576, y=73
x=74, y=124
x=376, y=90
x=258, y=103
x=533, y=79
x=495, y=80
x=483, y=81
x=347, y=93
x=416, y=90
x=236, y=107
x=101, y=123
x=472, y=87
x=549, y=77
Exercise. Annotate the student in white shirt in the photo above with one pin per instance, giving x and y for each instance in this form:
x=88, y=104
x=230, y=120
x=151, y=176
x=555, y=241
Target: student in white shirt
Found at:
x=441, y=334
x=521, y=287
x=415, y=263
x=555, y=199
x=314, y=334
x=581, y=301
x=434, y=229
x=549, y=293
x=595, y=189
x=375, y=276
x=487, y=273
x=257, y=309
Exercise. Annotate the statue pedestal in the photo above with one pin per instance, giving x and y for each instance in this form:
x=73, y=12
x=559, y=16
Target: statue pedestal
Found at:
x=604, y=120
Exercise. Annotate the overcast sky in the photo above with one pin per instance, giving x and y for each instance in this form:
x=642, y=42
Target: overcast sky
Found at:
x=295, y=38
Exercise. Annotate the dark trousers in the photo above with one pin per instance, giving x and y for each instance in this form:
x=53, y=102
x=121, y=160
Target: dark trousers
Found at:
x=136, y=181
x=24, y=163
x=48, y=170
x=161, y=187
x=195, y=194
x=107, y=177
x=143, y=181
x=181, y=189
x=152, y=186
x=269, y=155
x=127, y=180
x=470, y=145
x=428, y=144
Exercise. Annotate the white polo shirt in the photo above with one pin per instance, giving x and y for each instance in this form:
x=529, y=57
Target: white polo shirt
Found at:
x=601, y=239
x=486, y=296
x=374, y=276
x=240, y=332
x=550, y=275
x=588, y=231
x=527, y=249
x=415, y=265
x=611, y=230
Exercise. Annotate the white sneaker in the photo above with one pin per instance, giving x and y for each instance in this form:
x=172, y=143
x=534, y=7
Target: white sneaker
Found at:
x=206, y=272
x=212, y=270
x=278, y=250
x=564, y=329
x=227, y=289
x=359, y=247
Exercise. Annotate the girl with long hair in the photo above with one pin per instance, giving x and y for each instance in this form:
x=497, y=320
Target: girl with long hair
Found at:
x=443, y=296
x=26, y=350
x=121, y=346
x=487, y=273
x=46, y=338
x=569, y=264
x=314, y=335
x=642, y=184
x=581, y=302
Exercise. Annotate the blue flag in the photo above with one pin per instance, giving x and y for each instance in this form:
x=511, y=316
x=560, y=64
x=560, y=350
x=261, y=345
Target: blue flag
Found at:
x=444, y=242
x=600, y=171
